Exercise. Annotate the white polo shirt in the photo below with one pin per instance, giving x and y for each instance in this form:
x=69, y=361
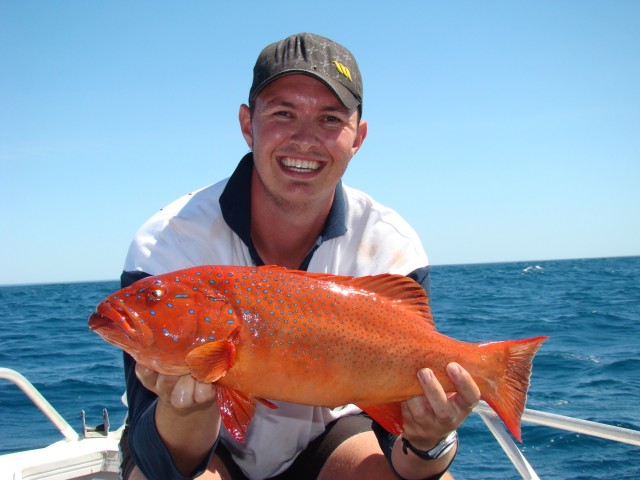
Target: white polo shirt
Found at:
x=212, y=226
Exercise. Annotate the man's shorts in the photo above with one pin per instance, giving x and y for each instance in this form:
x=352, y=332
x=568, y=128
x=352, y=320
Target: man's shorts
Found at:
x=307, y=465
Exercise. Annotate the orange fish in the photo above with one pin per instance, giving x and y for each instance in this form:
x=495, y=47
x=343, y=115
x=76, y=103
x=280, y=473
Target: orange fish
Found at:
x=270, y=333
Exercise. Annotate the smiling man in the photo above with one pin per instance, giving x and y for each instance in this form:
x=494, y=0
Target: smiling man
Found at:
x=302, y=139
x=285, y=205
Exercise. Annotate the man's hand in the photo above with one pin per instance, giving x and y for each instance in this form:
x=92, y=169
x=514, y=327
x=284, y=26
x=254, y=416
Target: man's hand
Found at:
x=429, y=418
x=181, y=392
x=186, y=415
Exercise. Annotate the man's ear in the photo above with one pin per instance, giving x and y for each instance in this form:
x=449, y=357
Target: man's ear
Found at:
x=360, y=136
x=245, y=124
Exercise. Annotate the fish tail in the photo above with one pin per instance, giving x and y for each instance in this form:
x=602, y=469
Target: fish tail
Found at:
x=506, y=390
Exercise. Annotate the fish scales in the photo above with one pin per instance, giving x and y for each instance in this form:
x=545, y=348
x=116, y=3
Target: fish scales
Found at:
x=268, y=333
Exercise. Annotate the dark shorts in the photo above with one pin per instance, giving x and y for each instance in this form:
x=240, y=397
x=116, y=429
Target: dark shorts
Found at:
x=306, y=466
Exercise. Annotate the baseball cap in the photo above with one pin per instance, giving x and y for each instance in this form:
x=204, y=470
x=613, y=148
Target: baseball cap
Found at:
x=313, y=55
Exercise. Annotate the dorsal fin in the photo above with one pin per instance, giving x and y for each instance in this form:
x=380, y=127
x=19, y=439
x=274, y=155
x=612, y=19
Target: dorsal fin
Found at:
x=402, y=291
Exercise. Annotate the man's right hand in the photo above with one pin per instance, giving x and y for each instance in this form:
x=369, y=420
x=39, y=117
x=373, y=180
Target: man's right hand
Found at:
x=181, y=392
x=186, y=415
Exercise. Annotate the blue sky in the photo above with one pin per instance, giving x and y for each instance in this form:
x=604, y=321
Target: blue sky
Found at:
x=501, y=131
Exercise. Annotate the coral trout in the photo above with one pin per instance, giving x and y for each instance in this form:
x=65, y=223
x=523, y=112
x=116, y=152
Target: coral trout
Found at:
x=268, y=333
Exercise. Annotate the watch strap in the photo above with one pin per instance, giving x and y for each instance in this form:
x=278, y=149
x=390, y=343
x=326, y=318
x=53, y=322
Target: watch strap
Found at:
x=441, y=448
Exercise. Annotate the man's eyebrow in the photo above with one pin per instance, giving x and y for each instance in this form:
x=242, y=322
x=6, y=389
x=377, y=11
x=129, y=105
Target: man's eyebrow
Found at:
x=279, y=102
x=338, y=109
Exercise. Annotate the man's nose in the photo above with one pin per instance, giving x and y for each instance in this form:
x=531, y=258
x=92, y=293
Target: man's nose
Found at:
x=305, y=134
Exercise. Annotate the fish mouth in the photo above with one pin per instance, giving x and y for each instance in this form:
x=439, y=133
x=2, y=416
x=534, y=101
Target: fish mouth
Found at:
x=116, y=326
x=113, y=323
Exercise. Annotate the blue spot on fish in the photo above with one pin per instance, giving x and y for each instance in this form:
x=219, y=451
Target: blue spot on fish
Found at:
x=169, y=305
x=182, y=295
x=152, y=312
x=173, y=337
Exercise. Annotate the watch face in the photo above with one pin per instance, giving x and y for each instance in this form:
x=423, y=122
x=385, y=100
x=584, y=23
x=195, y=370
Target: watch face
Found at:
x=443, y=446
x=448, y=444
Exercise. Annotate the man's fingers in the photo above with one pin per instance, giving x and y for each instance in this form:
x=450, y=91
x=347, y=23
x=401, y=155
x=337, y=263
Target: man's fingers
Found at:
x=145, y=375
x=204, y=392
x=183, y=392
x=435, y=395
x=468, y=394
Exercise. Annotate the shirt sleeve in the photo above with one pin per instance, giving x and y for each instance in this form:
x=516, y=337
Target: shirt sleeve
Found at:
x=422, y=275
x=147, y=449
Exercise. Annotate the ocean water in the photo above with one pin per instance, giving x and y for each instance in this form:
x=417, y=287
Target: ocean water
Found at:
x=589, y=368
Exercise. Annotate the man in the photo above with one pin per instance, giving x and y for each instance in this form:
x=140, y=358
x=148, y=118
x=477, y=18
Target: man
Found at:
x=285, y=205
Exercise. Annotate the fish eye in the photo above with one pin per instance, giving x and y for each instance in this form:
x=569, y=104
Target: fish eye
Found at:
x=156, y=293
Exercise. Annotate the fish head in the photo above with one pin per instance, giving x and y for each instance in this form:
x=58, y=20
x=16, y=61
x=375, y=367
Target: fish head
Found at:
x=158, y=321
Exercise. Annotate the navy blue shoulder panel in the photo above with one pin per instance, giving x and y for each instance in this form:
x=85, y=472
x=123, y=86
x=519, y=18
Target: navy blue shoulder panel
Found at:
x=422, y=275
x=127, y=278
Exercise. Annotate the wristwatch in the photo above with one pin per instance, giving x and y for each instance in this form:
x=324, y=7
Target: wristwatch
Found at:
x=441, y=448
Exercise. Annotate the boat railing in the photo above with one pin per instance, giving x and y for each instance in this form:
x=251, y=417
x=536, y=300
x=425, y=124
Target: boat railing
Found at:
x=576, y=425
x=39, y=401
x=595, y=429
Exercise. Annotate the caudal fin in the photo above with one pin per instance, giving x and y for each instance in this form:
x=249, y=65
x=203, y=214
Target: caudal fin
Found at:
x=506, y=393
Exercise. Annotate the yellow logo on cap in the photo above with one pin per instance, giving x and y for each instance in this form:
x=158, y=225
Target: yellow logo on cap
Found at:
x=342, y=69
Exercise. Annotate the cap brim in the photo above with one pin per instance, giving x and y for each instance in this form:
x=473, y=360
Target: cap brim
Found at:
x=343, y=93
x=340, y=91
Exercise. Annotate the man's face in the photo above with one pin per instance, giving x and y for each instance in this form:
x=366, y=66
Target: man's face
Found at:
x=302, y=139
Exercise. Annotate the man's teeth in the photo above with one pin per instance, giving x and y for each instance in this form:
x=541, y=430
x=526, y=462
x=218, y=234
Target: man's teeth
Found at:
x=300, y=165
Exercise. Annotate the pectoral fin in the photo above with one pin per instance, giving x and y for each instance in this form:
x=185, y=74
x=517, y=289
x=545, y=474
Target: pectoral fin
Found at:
x=389, y=415
x=210, y=362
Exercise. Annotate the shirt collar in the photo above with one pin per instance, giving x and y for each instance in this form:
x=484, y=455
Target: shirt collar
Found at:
x=235, y=203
